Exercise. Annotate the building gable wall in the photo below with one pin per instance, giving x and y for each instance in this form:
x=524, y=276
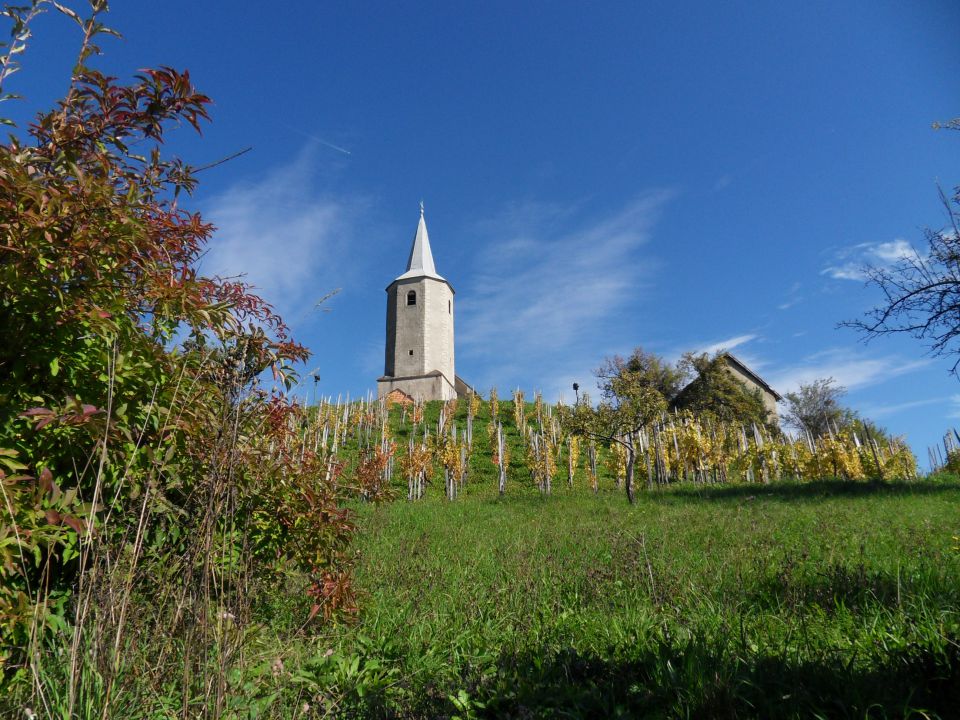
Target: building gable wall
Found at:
x=769, y=401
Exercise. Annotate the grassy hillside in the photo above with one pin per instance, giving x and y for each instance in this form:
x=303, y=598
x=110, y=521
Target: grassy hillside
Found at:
x=831, y=598
x=789, y=601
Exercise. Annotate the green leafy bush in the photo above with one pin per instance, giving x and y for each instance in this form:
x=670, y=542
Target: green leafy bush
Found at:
x=150, y=482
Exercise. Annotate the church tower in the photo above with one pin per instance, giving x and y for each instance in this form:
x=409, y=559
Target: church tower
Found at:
x=419, y=348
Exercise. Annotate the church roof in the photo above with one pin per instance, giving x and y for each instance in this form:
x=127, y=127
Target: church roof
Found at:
x=420, y=263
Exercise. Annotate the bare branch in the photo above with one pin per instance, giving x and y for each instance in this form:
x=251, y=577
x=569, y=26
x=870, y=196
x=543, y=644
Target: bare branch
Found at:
x=921, y=293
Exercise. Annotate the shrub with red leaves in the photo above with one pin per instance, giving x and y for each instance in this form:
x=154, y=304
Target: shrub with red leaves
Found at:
x=124, y=373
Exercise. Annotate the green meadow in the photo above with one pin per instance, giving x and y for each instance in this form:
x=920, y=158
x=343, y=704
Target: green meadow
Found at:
x=829, y=598
x=825, y=599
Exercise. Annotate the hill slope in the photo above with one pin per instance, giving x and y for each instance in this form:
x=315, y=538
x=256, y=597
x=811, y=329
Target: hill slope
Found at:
x=783, y=600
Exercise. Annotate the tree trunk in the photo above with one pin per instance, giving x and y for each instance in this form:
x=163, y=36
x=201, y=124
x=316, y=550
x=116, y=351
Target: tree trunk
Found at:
x=631, y=457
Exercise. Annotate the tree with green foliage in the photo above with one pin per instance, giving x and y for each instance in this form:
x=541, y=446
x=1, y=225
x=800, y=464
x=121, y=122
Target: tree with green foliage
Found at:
x=815, y=407
x=140, y=456
x=716, y=394
x=645, y=368
x=633, y=398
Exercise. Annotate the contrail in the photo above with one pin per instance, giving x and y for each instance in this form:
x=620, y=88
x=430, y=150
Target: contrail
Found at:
x=329, y=145
x=316, y=139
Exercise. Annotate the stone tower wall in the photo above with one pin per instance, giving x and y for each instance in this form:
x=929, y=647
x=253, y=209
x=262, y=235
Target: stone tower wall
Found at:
x=419, y=337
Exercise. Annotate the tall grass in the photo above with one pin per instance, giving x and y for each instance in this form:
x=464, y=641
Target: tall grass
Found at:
x=171, y=610
x=825, y=599
x=740, y=599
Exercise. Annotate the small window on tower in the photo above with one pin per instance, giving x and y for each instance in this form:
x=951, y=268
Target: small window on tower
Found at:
x=412, y=298
x=450, y=306
x=411, y=352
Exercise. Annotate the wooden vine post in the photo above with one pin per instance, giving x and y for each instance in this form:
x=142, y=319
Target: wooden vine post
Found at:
x=501, y=460
x=593, y=467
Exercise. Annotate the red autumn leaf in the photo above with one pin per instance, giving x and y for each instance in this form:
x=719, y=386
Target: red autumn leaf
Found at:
x=36, y=412
x=46, y=482
x=76, y=524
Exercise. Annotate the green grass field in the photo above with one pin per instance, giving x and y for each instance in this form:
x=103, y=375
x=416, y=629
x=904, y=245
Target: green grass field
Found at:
x=791, y=600
x=831, y=599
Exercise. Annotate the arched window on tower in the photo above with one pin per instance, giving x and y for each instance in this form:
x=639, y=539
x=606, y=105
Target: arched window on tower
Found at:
x=412, y=297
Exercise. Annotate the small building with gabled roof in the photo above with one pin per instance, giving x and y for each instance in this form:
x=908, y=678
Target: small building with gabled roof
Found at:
x=749, y=379
x=746, y=377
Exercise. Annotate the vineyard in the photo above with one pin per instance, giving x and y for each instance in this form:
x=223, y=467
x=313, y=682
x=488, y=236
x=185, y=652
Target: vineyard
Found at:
x=502, y=573
x=497, y=569
x=524, y=445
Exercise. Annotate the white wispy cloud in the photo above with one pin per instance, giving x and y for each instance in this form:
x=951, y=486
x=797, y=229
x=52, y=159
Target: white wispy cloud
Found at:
x=793, y=297
x=851, y=369
x=850, y=263
x=892, y=251
x=279, y=234
x=728, y=344
x=544, y=294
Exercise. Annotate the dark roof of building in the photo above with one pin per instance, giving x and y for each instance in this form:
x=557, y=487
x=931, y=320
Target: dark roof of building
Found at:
x=734, y=360
x=462, y=386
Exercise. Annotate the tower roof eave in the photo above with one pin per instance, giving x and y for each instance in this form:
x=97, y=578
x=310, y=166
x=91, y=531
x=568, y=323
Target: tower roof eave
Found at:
x=409, y=277
x=411, y=274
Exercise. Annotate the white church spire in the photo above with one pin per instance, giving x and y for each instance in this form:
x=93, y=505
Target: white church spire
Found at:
x=420, y=263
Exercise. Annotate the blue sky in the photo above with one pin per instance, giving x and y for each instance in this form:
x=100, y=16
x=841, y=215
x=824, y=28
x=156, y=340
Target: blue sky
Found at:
x=678, y=176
